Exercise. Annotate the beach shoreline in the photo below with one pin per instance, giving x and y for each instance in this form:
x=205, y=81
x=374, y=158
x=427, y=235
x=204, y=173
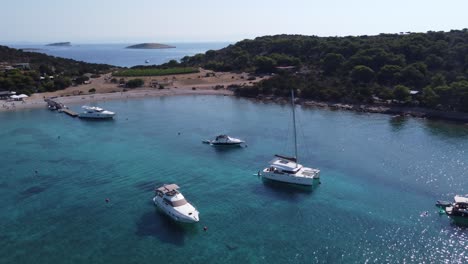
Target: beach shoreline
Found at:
x=204, y=82
x=34, y=103
x=208, y=82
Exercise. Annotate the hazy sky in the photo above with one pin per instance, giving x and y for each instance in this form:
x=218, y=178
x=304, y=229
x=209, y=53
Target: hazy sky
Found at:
x=216, y=20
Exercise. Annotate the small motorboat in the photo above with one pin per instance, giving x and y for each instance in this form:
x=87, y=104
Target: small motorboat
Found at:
x=457, y=210
x=224, y=140
x=173, y=203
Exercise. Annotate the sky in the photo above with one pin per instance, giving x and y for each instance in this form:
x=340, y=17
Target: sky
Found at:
x=128, y=21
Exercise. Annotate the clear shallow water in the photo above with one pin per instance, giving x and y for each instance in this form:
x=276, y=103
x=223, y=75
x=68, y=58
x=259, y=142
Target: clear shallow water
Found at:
x=378, y=176
x=117, y=54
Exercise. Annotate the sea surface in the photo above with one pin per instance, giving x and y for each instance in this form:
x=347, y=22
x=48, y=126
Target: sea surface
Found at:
x=117, y=54
x=380, y=179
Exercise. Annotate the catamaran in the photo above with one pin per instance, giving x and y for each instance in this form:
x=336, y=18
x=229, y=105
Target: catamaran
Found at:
x=287, y=169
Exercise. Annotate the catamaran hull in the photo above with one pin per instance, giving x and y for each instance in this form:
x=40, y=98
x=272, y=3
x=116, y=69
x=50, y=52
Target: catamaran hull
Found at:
x=288, y=178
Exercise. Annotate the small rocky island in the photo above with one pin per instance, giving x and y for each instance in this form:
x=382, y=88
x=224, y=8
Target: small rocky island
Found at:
x=150, y=46
x=59, y=44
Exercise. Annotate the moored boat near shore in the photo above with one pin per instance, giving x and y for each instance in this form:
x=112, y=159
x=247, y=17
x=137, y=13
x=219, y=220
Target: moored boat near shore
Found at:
x=95, y=112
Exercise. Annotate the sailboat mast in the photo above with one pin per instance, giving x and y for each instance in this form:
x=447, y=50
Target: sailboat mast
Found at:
x=294, y=124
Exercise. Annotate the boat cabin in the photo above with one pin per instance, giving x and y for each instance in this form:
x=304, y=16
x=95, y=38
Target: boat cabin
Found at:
x=222, y=137
x=461, y=204
x=279, y=165
x=170, y=195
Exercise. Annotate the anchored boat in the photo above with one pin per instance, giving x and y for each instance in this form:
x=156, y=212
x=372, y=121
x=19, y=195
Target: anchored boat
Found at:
x=95, y=113
x=224, y=140
x=287, y=169
x=457, y=210
x=174, y=204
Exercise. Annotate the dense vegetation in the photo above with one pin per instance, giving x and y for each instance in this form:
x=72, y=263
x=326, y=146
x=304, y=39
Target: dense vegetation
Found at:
x=153, y=71
x=56, y=73
x=354, y=69
x=134, y=83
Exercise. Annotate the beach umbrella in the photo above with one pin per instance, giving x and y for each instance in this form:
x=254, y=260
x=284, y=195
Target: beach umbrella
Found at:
x=14, y=97
x=22, y=96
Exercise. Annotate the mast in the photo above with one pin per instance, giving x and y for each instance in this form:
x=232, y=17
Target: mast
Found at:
x=294, y=125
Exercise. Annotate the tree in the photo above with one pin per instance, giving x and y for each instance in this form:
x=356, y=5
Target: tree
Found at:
x=62, y=83
x=264, y=64
x=362, y=74
x=332, y=62
x=429, y=97
x=460, y=91
x=81, y=79
x=389, y=74
x=402, y=93
x=411, y=75
x=438, y=80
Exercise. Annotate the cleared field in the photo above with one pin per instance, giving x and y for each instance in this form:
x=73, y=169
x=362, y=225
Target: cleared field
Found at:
x=154, y=72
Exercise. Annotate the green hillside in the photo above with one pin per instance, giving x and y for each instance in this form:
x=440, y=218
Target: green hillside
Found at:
x=56, y=73
x=359, y=69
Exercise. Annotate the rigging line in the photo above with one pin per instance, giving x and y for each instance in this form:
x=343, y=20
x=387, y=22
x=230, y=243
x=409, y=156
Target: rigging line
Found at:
x=301, y=128
x=286, y=142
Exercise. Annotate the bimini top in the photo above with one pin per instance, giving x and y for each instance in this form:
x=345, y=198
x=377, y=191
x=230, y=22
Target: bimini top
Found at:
x=168, y=188
x=461, y=199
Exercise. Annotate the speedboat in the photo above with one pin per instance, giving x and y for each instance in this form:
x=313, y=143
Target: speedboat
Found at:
x=95, y=112
x=173, y=203
x=287, y=169
x=224, y=140
x=458, y=210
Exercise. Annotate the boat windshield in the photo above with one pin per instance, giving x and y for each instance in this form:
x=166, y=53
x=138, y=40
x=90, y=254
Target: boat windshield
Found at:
x=176, y=203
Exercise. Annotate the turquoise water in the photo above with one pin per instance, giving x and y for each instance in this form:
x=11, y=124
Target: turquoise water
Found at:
x=378, y=176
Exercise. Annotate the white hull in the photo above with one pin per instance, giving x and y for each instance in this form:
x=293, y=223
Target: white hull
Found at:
x=288, y=178
x=174, y=214
x=96, y=116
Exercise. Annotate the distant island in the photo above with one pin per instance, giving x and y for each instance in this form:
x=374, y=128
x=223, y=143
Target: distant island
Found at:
x=59, y=44
x=150, y=46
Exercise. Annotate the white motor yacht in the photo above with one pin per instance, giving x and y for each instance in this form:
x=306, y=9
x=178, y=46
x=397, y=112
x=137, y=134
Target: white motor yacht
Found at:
x=287, y=169
x=173, y=203
x=95, y=112
x=225, y=140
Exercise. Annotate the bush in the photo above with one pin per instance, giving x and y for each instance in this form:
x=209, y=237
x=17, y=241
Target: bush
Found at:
x=134, y=83
x=81, y=79
x=92, y=90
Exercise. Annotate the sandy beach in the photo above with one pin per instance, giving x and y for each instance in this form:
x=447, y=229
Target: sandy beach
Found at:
x=203, y=83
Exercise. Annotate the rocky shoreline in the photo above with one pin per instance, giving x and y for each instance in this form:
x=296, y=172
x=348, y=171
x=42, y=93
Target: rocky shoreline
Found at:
x=394, y=110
